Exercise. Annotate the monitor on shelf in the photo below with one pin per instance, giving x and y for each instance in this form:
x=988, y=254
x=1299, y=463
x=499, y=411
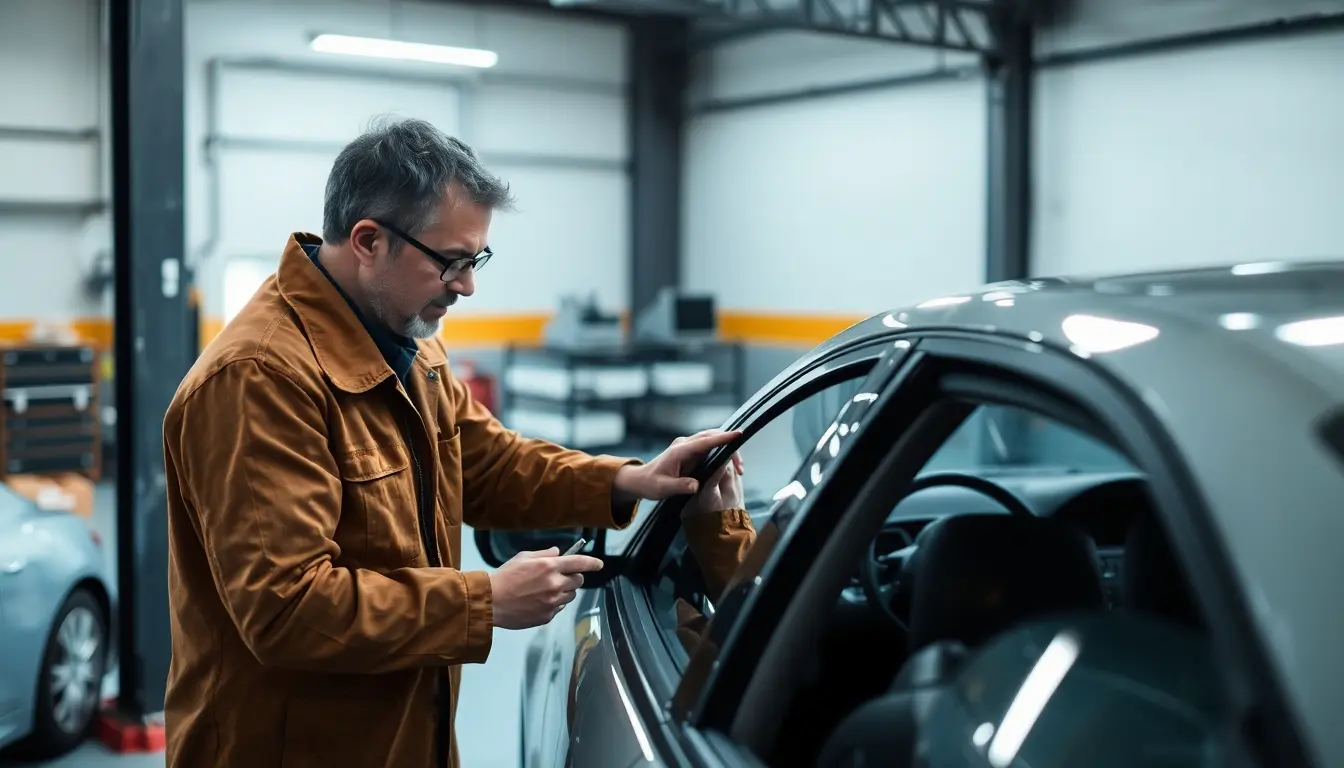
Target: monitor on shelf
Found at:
x=677, y=318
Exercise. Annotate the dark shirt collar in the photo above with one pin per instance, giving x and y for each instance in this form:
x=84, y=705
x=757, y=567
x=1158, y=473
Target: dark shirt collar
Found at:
x=399, y=351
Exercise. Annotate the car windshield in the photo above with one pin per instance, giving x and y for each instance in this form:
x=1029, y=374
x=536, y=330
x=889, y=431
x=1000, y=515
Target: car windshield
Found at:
x=1004, y=439
x=994, y=440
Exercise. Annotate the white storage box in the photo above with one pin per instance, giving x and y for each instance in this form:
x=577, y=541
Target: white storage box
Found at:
x=689, y=418
x=607, y=382
x=587, y=428
x=681, y=378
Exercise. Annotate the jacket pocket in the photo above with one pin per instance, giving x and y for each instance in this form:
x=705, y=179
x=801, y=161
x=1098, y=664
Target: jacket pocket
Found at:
x=450, y=476
x=321, y=733
x=380, y=485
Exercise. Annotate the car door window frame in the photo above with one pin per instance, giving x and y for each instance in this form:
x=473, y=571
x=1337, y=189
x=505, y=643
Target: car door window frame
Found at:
x=845, y=363
x=1122, y=415
x=646, y=662
x=761, y=598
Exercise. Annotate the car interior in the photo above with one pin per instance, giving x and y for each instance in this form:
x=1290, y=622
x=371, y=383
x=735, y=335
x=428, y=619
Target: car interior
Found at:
x=995, y=548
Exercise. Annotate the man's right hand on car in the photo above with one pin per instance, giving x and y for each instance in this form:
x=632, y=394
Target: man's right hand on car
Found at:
x=530, y=589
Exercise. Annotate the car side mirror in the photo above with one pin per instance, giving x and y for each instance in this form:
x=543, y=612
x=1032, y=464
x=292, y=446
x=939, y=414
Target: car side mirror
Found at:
x=498, y=547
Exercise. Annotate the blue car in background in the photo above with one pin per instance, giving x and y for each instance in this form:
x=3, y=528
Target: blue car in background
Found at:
x=56, y=611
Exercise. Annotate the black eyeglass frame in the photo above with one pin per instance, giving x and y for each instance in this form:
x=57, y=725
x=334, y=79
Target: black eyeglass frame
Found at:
x=452, y=265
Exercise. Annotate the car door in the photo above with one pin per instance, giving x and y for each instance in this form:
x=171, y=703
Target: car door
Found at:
x=597, y=629
x=651, y=652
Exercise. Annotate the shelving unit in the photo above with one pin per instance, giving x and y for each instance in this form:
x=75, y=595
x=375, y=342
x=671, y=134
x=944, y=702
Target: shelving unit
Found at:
x=637, y=395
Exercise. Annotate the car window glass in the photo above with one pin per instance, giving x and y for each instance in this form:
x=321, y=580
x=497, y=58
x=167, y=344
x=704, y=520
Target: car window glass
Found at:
x=1127, y=668
x=771, y=458
x=1128, y=690
x=1007, y=438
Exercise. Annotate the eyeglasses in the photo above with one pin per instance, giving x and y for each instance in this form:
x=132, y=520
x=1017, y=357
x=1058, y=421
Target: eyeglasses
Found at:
x=452, y=265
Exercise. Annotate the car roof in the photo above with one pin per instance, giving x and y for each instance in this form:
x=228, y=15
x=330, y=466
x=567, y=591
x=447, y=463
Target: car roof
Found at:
x=1241, y=365
x=1283, y=314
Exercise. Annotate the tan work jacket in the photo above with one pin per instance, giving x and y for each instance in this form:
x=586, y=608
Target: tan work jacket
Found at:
x=315, y=513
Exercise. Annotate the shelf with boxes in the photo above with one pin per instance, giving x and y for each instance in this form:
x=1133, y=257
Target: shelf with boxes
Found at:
x=620, y=395
x=50, y=442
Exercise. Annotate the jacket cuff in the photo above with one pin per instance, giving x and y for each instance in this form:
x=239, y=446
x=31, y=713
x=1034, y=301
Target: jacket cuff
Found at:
x=595, y=497
x=710, y=524
x=480, y=617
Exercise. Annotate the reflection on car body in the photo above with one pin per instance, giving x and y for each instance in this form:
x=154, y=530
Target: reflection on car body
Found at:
x=1066, y=522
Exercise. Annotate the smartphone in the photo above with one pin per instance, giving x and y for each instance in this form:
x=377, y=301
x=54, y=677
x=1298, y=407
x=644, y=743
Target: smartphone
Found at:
x=576, y=546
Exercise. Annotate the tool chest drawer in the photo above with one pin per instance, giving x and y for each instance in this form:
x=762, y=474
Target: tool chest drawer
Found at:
x=48, y=410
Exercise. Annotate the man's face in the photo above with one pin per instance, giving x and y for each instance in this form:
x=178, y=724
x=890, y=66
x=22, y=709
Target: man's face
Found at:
x=404, y=288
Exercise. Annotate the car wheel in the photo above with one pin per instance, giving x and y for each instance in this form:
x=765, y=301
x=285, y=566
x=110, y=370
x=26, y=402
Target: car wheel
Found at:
x=70, y=684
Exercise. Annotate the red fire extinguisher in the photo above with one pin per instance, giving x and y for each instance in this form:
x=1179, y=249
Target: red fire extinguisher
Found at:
x=480, y=385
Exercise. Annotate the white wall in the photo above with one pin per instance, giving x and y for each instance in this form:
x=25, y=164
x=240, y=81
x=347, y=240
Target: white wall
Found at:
x=550, y=118
x=1207, y=156
x=53, y=180
x=785, y=205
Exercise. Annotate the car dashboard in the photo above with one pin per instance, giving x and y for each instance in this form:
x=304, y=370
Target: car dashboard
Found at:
x=1103, y=504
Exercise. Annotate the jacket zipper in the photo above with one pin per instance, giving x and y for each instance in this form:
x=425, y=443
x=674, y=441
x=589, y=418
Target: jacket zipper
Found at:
x=430, y=543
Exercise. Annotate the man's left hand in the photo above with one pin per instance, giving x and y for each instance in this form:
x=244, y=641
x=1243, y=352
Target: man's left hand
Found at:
x=665, y=476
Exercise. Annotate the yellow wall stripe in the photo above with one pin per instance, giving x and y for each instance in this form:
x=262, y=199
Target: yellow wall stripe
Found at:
x=524, y=328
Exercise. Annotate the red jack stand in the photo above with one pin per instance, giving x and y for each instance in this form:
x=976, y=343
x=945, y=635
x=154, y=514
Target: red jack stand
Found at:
x=122, y=734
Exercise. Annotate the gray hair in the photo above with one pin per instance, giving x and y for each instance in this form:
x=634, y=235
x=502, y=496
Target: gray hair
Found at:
x=399, y=171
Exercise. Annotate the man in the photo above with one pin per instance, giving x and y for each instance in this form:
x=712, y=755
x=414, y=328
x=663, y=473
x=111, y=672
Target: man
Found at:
x=321, y=461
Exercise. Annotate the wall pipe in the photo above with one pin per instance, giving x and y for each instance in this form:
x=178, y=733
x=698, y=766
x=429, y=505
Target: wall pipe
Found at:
x=1288, y=27
x=938, y=74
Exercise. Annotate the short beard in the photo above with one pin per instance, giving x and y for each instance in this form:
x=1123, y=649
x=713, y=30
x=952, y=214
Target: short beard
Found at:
x=419, y=328
x=414, y=327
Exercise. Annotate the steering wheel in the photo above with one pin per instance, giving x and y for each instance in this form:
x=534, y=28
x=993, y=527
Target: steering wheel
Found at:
x=884, y=577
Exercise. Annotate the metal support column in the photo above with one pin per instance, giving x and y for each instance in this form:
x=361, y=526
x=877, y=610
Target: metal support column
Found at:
x=659, y=70
x=1009, y=73
x=151, y=328
x=1005, y=435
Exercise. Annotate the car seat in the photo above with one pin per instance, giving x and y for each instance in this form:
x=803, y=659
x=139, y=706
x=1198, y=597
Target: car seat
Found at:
x=1153, y=581
x=973, y=577
x=977, y=575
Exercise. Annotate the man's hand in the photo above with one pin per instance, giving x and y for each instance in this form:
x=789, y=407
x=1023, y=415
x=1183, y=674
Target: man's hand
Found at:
x=665, y=476
x=530, y=589
x=723, y=491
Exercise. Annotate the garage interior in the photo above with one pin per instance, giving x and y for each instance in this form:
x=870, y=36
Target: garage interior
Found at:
x=744, y=177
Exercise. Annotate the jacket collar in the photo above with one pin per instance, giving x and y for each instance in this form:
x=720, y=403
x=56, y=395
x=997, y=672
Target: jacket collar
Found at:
x=345, y=351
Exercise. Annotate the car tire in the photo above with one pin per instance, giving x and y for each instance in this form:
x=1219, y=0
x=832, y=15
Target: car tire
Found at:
x=70, y=682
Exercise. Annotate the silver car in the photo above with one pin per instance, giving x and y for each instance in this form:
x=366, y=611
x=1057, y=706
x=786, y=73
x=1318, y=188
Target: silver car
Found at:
x=55, y=627
x=1046, y=523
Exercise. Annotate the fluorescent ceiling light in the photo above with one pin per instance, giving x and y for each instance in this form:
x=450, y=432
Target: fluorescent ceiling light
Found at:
x=395, y=49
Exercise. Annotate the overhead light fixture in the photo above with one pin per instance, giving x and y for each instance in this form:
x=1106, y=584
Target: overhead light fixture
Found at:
x=379, y=48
